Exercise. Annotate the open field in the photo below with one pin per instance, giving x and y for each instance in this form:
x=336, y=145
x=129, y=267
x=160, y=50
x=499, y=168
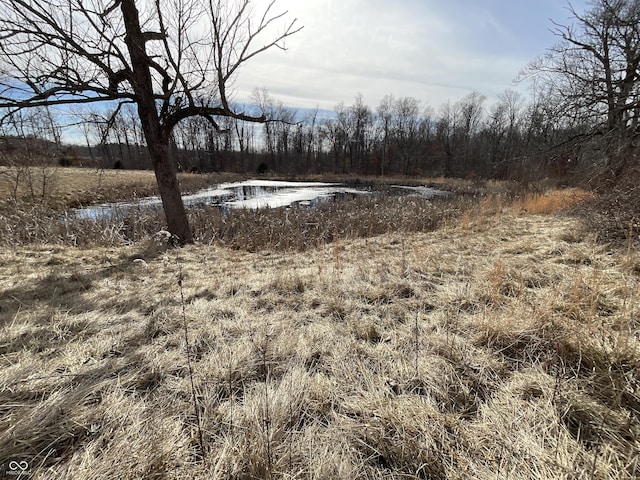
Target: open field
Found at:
x=503, y=344
x=70, y=187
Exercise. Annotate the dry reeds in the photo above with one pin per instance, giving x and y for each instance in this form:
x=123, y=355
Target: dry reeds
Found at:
x=551, y=202
x=266, y=229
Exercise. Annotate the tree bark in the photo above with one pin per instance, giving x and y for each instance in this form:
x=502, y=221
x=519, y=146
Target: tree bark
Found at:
x=157, y=137
x=169, y=189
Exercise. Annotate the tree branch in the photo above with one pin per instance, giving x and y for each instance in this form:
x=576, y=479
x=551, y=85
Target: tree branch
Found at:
x=207, y=113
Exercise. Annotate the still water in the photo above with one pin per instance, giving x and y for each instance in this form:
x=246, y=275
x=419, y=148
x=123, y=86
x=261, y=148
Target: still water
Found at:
x=251, y=194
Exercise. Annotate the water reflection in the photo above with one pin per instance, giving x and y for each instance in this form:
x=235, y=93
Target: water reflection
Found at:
x=251, y=194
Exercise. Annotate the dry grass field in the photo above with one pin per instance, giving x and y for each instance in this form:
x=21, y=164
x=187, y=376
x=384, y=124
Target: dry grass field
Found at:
x=73, y=186
x=502, y=345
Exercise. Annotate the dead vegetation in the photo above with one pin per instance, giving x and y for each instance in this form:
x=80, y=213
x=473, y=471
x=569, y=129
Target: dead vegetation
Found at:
x=614, y=214
x=273, y=229
x=503, y=344
x=58, y=188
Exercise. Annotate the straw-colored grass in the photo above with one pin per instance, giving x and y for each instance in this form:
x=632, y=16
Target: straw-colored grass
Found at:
x=504, y=346
x=72, y=187
x=551, y=202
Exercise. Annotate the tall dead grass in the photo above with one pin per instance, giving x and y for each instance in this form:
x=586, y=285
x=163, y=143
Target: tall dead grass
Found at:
x=550, y=202
x=534, y=203
x=506, y=349
x=270, y=229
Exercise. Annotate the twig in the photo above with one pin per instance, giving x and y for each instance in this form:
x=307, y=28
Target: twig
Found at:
x=188, y=346
x=291, y=432
x=231, y=402
x=417, y=344
x=267, y=417
x=56, y=375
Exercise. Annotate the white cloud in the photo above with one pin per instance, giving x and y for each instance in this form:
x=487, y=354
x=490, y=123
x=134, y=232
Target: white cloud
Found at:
x=428, y=49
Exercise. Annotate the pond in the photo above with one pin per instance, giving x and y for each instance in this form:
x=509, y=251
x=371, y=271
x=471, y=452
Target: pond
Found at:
x=254, y=194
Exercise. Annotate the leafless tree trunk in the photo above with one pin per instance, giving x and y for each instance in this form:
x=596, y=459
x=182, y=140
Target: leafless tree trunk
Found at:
x=57, y=52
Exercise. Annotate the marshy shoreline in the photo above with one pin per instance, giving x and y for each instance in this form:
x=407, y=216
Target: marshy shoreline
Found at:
x=53, y=219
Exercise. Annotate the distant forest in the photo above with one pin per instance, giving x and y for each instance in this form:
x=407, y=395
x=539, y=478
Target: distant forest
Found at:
x=509, y=139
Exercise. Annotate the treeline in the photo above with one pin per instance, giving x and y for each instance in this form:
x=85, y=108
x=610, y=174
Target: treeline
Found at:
x=508, y=138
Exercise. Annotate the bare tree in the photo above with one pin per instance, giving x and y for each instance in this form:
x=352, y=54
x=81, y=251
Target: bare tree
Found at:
x=594, y=70
x=31, y=147
x=445, y=132
x=470, y=110
x=361, y=120
x=310, y=138
x=277, y=134
x=405, y=127
x=384, y=115
x=173, y=59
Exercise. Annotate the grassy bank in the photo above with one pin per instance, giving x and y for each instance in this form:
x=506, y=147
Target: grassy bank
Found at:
x=502, y=344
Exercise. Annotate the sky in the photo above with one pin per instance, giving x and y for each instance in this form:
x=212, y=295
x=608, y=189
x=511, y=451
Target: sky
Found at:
x=433, y=50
